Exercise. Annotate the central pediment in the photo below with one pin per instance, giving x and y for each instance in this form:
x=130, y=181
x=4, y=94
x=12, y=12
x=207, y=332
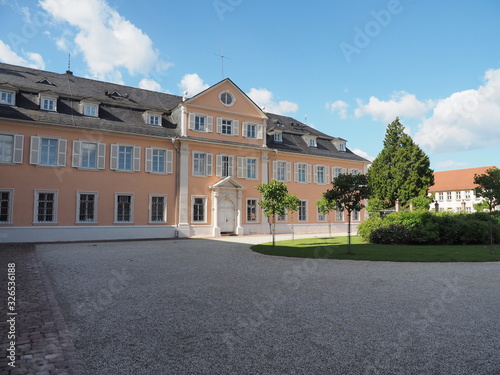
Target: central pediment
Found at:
x=227, y=183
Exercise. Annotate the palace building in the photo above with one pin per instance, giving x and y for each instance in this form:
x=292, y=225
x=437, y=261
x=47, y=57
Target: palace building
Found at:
x=82, y=159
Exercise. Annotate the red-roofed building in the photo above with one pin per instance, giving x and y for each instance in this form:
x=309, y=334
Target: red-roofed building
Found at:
x=454, y=190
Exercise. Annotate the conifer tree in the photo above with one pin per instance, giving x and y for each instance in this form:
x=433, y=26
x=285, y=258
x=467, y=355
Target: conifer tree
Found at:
x=401, y=170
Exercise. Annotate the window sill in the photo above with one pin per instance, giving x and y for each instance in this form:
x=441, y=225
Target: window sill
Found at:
x=123, y=222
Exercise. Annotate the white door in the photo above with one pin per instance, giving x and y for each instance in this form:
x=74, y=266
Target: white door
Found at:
x=226, y=216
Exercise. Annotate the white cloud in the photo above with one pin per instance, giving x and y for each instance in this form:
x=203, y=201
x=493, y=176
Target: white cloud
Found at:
x=465, y=120
x=193, y=84
x=107, y=41
x=363, y=154
x=340, y=107
x=451, y=164
x=31, y=59
x=401, y=104
x=265, y=99
x=150, y=84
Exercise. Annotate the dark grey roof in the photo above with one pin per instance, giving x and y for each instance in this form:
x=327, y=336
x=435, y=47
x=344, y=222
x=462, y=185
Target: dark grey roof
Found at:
x=121, y=109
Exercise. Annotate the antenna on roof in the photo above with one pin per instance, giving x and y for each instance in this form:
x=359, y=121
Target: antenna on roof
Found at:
x=222, y=57
x=305, y=120
x=69, y=65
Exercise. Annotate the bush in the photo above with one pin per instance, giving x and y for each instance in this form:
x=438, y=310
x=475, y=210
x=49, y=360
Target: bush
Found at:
x=426, y=228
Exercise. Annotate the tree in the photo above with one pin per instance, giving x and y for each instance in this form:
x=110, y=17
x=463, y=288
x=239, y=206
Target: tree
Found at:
x=347, y=194
x=276, y=201
x=489, y=188
x=401, y=170
x=325, y=207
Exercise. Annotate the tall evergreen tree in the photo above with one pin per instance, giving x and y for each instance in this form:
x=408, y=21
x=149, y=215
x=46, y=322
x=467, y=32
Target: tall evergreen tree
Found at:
x=401, y=170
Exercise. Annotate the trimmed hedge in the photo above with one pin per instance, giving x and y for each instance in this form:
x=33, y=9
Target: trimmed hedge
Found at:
x=427, y=228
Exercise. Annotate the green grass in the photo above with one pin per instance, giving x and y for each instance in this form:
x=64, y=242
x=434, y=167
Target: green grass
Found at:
x=336, y=248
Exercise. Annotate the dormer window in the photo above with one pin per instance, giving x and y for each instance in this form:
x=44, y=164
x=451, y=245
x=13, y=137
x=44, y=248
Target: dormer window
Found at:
x=278, y=137
x=312, y=142
x=339, y=143
x=153, y=118
x=48, y=103
x=7, y=97
x=341, y=146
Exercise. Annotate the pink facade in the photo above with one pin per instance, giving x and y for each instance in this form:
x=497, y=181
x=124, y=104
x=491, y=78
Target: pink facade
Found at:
x=101, y=161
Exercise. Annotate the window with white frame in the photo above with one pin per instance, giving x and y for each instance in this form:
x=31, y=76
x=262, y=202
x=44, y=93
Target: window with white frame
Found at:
x=45, y=207
x=312, y=142
x=321, y=175
x=227, y=126
x=252, y=210
x=7, y=97
x=154, y=120
x=200, y=122
x=321, y=214
x=124, y=208
x=125, y=158
x=468, y=210
x=354, y=171
x=467, y=194
x=278, y=137
x=159, y=160
x=302, y=172
x=281, y=170
x=252, y=130
x=339, y=215
x=441, y=196
x=11, y=148
x=341, y=146
x=336, y=171
x=303, y=211
x=224, y=165
x=157, y=208
x=89, y=155
x=448, y=195
x=90, y=110
x=86, y=207
x=458, y=195
x=199, y=209
x=356, y=215
x=282, y=218
x=202, y=164
x=6, y=203
x=48, y=103
x=48, y=151
x=247, y=168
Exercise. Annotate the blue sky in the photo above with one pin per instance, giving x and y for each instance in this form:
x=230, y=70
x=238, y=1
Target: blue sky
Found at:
x=349, y=67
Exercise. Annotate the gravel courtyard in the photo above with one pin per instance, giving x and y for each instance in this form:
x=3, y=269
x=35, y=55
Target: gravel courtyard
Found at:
x=215, y=307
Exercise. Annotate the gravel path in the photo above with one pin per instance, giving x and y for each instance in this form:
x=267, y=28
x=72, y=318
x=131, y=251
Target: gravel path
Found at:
x=215, y=307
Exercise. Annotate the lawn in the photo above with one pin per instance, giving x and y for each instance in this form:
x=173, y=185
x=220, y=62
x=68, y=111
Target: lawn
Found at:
x=336, y=248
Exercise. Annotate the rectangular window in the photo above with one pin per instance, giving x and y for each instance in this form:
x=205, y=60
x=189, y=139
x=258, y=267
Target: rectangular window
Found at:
x=321, y=215
x=199, y=209
x=441, y=196
x=45, y=207
x=6, y=198
x=88, y=155
x=48, y=104
x=281, y=171
x=251, y=210
x=202, y=164
x=125, y=154
x=7, y=97
x=467, y=194
x=320, y=174
x=355, y=215
x=338, y=171
x=301, y=173
x=282, y=218
x=312, y=142
x=468, y=210
x=247, y=168
x=339, y=215
x=251, y=131
x=6, y=148
x=158, y=160
x=48, y=151
x=154, y=120
x=278, y=137
x=158, y=208
x=354, y=171
x=86, y=208
x=199, y=123
x=252, y=169
x=90, y=110
x=227, y=127
x=448, y=195
x=458, y=195
x=303, y=211
x=124, y=208
x=224, y=166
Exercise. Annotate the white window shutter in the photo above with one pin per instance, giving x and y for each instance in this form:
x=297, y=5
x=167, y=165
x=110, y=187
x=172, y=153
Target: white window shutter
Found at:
x=288, y=171
x=35, y=150
x=113, y=163
x=244, y=129
x=61, y=152
x=296, y=172
x=209, y=164
x=18, y=148
x=148, y=167
x=210, y=125
x=327, y=175
x=137, y=158
x=241, y=167
x=101, y=155
x=315, y=174
x=308, y=173
x=259, y=131
x=275, y=169
x=191, y=120
x=236, y=127
x=219, y=125
x=218, y=165
x=230, y=161
x=170, y=161
x=76, y=154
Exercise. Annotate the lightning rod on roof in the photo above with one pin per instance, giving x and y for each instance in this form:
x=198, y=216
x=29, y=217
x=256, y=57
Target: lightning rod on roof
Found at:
x=69, y=65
